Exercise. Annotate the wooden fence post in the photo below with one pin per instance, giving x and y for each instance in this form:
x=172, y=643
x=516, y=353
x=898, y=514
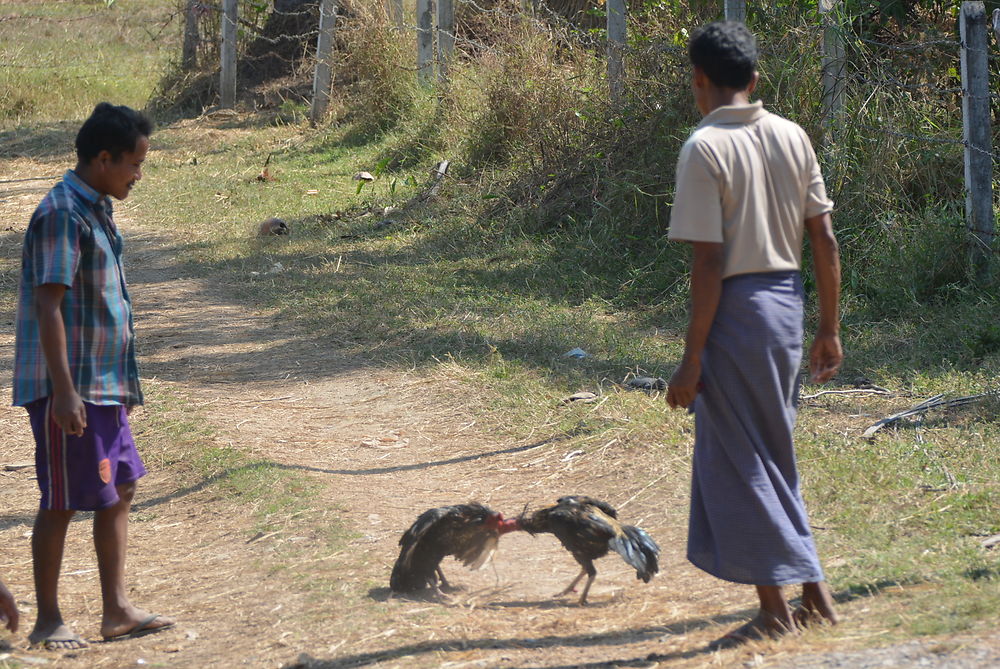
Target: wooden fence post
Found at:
x=834, y=62
x=227, y=79
x=189, y=53
x=445, y=36
x=976, y=134
x=425, y=41
x=396, y=12
x=324, y=47
x=616, y=48
x=735, y=10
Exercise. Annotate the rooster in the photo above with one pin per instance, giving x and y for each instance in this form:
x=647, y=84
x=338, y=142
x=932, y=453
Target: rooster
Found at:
x=588, y=528
x=470, y=532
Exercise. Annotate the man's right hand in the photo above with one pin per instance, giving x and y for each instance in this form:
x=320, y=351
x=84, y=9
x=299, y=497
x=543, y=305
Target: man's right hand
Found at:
x=825, y=357
x=65, y=405
x=8, y=609
x=69, y=413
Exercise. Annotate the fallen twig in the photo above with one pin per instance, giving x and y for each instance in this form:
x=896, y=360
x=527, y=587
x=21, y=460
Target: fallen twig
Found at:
x=852, y=391
x=934, y=402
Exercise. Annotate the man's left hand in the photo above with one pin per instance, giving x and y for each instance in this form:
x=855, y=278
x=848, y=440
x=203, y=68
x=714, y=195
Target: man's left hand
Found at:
x=684, y=384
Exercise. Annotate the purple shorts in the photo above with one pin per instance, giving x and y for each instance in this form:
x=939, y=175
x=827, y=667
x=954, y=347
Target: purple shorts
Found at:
x=80, y=473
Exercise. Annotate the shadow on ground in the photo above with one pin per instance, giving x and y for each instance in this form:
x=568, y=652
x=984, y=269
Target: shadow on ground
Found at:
x=614, y=638
x=39, y=141
x=609, y=639
x=12, y=520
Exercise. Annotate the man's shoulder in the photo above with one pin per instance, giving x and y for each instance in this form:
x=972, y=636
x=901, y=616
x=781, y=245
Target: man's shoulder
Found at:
x=61, y=201
x=700, y=142
x=781, y=124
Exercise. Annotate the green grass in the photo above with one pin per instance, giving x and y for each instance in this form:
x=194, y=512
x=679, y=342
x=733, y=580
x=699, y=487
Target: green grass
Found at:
x=465, y=300
x=494, y=295
x=174, y=435
x=61, y=59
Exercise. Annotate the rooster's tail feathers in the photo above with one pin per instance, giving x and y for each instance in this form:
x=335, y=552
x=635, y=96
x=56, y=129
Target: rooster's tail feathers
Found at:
x=639, y=550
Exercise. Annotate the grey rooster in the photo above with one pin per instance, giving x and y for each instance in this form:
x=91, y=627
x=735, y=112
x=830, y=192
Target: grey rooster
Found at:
x=588, y=528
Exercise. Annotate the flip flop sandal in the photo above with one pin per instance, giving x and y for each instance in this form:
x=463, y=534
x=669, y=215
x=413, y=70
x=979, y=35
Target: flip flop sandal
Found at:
x=75, y=641
x=140, y=629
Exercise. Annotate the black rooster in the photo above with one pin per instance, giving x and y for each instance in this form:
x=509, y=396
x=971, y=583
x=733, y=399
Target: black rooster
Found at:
x=588, y=528
x=470, y=532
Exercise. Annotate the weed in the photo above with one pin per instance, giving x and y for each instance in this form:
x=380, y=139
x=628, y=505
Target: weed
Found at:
x=382, y=93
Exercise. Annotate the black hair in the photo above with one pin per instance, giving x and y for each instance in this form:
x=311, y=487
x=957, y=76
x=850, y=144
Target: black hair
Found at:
x=111, y=128
x=726, y=51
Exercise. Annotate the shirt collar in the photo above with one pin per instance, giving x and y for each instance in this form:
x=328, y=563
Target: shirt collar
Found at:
x=85, y=191
x=734, y=114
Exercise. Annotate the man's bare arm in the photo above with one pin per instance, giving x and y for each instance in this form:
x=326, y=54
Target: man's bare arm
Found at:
x=67, y=407
x=826, y=353
x=706, y=289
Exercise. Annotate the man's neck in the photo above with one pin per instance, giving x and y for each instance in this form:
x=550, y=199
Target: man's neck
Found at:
x=86, y=176
x=727, y=97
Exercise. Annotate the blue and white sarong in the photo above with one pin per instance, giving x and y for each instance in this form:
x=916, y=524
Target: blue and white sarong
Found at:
x=748, y=522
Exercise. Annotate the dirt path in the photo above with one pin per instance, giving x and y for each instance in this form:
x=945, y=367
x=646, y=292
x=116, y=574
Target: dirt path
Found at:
x=383, y=445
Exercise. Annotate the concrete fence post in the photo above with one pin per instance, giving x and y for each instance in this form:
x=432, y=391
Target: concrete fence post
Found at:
x=979, y=215
x=735, y=10
x=227, y=77
x=616, y=48
x=189, y=52
x=834, y=62
x=322, y=77
x=445, y=37
x=425, y=41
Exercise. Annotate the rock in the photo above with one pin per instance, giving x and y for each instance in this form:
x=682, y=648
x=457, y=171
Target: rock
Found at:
x=582, y=396
x=991, y=542
x=646, y=383
x=273, y=226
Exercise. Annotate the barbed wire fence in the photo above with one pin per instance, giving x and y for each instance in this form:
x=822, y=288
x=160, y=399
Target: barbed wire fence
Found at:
x=973, y=55
x=851, y=78
x=436, y=39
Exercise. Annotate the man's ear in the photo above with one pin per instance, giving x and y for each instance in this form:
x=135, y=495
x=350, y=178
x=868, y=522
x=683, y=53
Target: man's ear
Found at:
x=103, y=159
x=753, y=83
x=698, y=77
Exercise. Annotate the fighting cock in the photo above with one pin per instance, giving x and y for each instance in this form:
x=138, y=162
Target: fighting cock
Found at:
x=470, y=532
x=588, y=528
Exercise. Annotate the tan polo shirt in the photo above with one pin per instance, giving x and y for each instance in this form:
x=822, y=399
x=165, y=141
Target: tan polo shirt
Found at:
x=748, y=178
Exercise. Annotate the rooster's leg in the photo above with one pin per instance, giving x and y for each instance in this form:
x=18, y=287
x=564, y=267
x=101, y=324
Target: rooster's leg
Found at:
x=442, y=579
x=586, y=588
x=572, y=586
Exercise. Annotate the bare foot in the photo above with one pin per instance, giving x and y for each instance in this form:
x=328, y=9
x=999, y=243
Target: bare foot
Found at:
x=765, y=625
x=136, y=623
x=816, y=607
x=56, y=637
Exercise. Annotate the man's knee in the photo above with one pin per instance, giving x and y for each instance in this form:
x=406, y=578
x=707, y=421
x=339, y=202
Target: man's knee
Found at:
x=54, y=517
x=126, y=491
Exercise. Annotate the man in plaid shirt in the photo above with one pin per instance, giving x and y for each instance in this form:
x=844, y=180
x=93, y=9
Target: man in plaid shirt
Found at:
x=76, y=374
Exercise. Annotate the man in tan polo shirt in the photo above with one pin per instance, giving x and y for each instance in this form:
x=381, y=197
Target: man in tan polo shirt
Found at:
x=748, y=190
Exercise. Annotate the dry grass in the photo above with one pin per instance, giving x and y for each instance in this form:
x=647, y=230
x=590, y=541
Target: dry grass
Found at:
x=301, y=417
x=245, y=400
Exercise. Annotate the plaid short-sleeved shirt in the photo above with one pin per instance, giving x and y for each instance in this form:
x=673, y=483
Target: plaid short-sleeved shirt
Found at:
x=72, y=240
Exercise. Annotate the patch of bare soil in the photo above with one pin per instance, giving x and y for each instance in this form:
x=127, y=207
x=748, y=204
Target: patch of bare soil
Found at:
x=384, y=444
